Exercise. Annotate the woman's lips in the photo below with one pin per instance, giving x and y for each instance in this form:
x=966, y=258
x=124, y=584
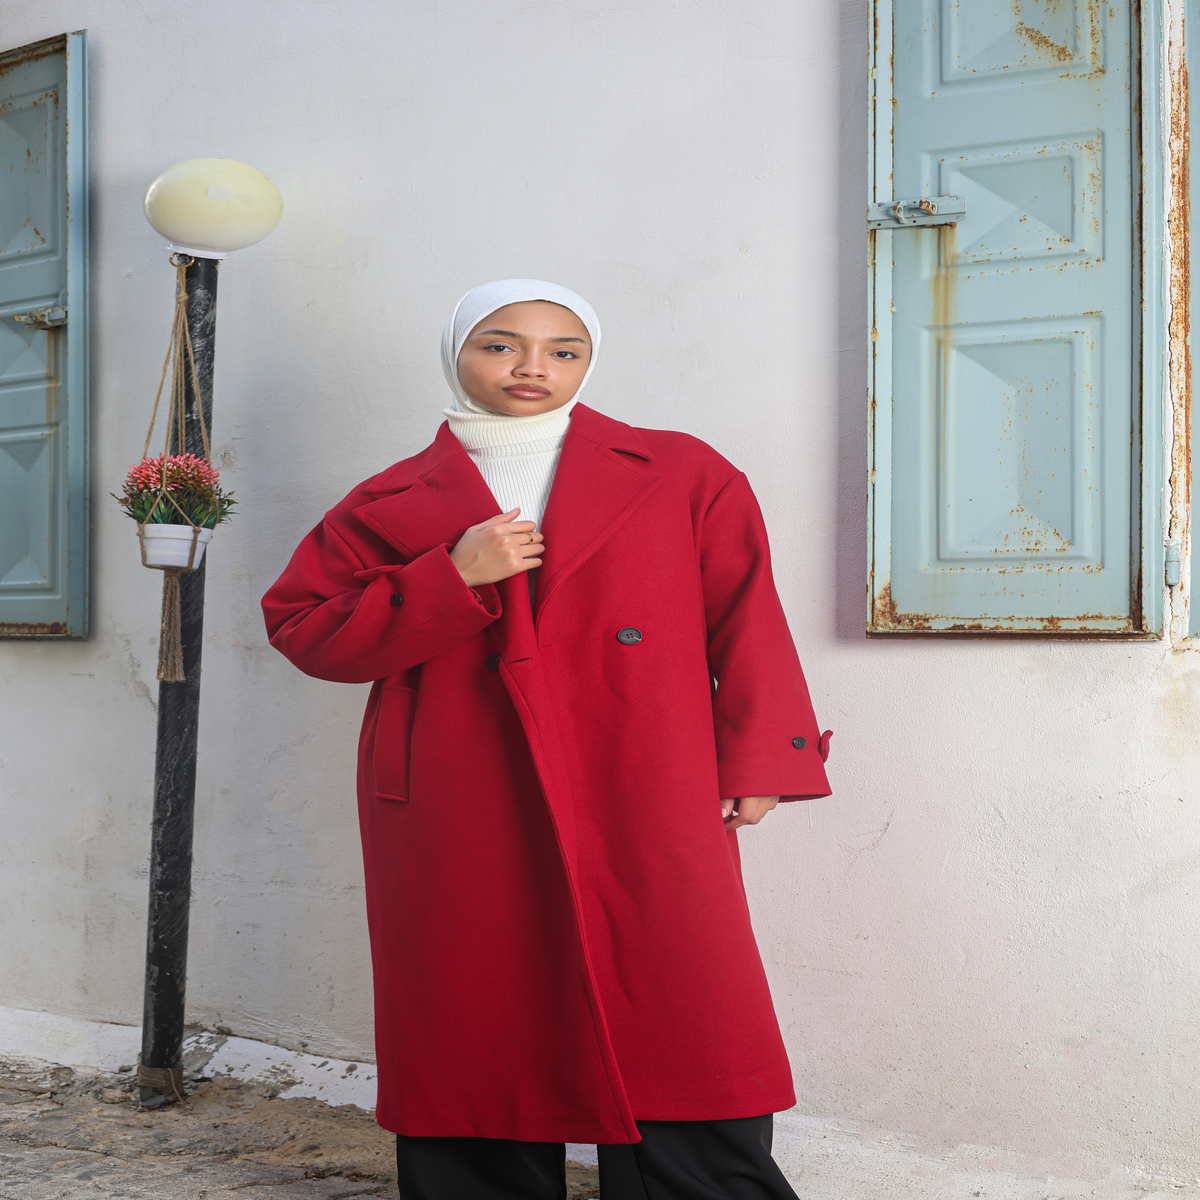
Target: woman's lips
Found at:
x=526, y=393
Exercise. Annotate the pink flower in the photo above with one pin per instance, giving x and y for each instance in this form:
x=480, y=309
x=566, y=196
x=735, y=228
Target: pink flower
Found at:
x=184, y=473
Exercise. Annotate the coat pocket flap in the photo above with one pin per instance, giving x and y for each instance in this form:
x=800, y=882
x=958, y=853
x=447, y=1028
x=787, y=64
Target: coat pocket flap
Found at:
x=393, y=741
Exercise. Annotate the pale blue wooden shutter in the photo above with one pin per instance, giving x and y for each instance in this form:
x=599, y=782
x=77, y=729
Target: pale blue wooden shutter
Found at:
x=43, y=361
x=1007, y=430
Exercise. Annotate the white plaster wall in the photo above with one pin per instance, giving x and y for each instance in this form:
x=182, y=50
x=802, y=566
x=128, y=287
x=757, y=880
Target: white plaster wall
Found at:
x=986, y=937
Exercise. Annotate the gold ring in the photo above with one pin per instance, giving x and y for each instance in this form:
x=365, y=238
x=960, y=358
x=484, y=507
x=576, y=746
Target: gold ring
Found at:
x=530, y=539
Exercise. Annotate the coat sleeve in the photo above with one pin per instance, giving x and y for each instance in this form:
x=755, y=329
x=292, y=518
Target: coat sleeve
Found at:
x=768, y=740
x=338, y=620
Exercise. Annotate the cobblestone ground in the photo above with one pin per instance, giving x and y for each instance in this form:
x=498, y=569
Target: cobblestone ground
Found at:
x=65, y=1135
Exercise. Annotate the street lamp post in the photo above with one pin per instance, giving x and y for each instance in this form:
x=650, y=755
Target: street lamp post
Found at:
x=206, y=208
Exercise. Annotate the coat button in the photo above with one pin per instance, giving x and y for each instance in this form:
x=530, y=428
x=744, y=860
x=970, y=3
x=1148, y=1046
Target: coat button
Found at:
x=492, y=662
x=397, y=599
x=799, y=743
x=629, y=636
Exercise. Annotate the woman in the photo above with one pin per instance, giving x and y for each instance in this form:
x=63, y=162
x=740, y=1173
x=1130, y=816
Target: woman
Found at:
x=570, y=717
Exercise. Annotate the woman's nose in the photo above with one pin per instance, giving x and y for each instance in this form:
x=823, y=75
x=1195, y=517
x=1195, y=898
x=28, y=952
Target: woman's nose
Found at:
x=529, y=365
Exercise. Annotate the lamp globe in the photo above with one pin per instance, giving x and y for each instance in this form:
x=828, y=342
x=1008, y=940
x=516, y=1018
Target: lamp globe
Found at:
x=208, y=207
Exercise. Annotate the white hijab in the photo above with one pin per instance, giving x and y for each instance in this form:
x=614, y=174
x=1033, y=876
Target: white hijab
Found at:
x=481, y=302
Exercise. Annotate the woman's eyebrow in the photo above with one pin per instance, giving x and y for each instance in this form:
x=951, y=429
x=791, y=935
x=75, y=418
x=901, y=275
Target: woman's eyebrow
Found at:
x=521, y=336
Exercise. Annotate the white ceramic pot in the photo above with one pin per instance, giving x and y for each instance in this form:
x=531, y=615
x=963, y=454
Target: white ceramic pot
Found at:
x=170, y=545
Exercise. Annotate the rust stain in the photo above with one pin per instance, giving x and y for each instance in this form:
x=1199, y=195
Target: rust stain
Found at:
x=32, y=52
x=887, y=622
x=1127, y=633
x=1179, y=352
x=1042, y=42
x=944, y=276
x=886, y=617
x=53, y=348
x=33, y=629
x=11, y=106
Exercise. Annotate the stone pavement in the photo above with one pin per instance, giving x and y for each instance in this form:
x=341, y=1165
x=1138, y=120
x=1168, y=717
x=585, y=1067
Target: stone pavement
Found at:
x=51, y=1173
x=71, y=1135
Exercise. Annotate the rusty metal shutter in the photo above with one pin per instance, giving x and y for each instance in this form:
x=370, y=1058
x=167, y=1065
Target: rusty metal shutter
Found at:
x=43, y=340
x=1007, y=420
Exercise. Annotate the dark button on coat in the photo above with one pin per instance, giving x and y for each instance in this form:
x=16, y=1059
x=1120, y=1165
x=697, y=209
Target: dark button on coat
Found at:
x=560, y=939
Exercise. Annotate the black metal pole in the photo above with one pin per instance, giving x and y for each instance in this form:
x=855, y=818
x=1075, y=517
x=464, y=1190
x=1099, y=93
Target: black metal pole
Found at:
x=175, y=757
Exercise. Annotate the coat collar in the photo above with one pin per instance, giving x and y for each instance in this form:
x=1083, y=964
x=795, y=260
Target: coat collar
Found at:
x=430, y=499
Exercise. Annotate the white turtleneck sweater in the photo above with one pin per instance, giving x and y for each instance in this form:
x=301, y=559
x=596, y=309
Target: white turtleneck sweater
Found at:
x=517, y=456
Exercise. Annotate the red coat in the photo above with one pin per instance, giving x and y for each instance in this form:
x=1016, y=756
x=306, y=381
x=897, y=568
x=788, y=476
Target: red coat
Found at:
x=560, y=939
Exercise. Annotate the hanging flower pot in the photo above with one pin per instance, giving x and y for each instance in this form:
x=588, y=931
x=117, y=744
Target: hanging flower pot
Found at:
x=160, y=494
x=180, y=546
x=176, y=499
x=170, y=497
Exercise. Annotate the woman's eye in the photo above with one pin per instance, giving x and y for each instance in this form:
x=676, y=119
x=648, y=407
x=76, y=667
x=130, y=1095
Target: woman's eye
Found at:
x=565, y=354
x=495, y=346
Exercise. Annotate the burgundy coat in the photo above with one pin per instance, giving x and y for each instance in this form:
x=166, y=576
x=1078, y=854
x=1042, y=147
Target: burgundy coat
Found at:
x=560, y=939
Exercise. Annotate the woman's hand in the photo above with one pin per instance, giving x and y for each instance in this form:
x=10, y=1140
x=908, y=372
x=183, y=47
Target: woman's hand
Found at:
x=748, y=810
x=496, y=549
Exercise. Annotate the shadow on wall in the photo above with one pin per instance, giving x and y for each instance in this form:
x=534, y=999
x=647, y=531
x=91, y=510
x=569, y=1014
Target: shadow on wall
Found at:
x=850, y=233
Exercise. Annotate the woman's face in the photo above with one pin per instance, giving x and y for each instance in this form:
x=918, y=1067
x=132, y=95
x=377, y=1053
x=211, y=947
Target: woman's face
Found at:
x=525, y=358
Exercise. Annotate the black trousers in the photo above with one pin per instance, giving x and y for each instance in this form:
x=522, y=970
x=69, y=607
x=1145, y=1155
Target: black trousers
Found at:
x=675, y=1160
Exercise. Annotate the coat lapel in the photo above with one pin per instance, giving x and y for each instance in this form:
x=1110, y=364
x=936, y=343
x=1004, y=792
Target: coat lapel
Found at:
x=604, y=473
x=429, y=500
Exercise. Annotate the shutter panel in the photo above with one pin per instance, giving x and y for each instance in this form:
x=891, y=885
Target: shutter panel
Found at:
x=1006, y=444
x=43, y=371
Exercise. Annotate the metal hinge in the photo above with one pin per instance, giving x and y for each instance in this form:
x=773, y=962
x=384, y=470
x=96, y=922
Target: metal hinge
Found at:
x=905, y=214
x=1172, y=559
x=42, y=318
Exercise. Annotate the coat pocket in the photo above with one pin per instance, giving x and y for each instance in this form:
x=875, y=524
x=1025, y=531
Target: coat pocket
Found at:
x=393, y=740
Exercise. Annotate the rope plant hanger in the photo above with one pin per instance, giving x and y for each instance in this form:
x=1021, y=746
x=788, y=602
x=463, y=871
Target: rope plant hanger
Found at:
x=175, y=498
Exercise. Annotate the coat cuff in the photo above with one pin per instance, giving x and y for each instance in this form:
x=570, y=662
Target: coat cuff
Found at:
x=797, y=775
x=428, y=591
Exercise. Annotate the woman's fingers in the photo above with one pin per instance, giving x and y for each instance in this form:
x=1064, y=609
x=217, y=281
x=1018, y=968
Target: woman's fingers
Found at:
x=747, y=810
x=498, y=548
x=511, y=529
x=498, y=519
x=519, y=531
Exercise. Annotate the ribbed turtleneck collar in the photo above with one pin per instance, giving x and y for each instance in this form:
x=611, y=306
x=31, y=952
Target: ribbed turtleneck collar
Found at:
x=496, y=432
